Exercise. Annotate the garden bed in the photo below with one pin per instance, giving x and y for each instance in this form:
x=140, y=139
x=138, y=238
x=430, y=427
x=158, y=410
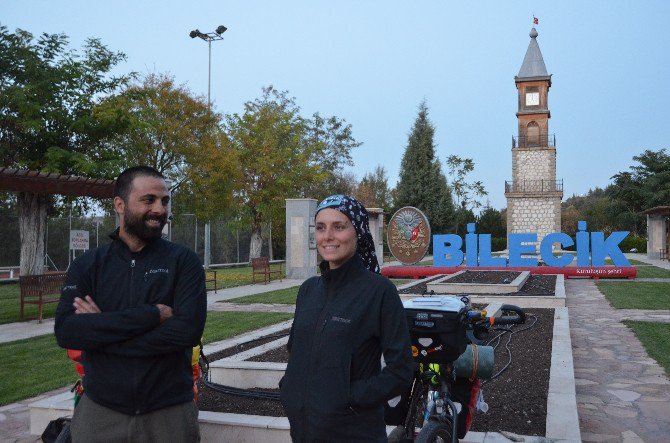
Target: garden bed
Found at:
x=536, y=285
x=517, y=399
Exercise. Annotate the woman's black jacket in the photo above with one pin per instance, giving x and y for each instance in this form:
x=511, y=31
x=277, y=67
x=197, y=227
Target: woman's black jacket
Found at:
x=334, y=388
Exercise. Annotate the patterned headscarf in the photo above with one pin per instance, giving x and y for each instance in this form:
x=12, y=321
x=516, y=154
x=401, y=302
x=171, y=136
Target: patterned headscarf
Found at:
x=356, y=212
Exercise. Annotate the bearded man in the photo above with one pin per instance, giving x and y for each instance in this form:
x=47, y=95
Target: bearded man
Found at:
x=135, y=307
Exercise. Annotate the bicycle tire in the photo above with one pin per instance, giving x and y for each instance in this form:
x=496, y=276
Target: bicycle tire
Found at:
x=435, y=432
x=397, y=435
x=64, y=436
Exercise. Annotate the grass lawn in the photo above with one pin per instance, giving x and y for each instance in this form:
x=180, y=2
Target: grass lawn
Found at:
x=636, y=295
x=283, y=296
x=630, y=260
x=650, y=271
x=10, y=295
x=655, y=338
x=36, y=365
x=10, y=302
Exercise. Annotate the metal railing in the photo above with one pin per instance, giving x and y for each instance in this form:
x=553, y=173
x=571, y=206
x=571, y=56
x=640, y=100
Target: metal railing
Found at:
x=534, y=141
x=534, y=186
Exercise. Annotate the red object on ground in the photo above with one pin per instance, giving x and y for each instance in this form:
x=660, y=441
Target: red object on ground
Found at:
x=568, y=271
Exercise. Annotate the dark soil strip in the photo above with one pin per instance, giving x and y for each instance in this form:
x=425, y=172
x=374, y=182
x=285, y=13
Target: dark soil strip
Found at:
x=488, y=277
x=244, y=346
x=517, y=399
x=534, y=286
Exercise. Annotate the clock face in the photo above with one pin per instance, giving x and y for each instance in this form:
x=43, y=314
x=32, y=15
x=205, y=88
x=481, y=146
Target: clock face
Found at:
x=532, y=99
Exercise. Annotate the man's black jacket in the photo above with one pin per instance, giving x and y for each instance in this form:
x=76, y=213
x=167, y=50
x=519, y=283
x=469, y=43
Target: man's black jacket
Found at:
x=334, y=388
x=133, y=363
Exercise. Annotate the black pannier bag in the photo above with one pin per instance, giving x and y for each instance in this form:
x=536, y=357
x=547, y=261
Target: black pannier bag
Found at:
x=437, y=328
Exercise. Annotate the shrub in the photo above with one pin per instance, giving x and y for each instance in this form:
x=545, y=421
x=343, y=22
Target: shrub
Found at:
x=498, y=244
x=632, y=242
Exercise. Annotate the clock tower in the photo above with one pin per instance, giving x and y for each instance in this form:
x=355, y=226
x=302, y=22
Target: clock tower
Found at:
x=534, y=195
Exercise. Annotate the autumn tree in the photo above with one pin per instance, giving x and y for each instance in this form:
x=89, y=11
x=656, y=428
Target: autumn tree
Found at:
x=173, y=130
x=50, y=119
x=422, y=183
x=373, y=190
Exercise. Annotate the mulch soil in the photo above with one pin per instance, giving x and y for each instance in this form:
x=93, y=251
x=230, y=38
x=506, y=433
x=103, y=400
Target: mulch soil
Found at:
x=517, y=399
x=244, y=346
x=538, y=284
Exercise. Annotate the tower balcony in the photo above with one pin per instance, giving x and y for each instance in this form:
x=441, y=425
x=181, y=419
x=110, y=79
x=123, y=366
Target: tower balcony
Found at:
x=534, y=141
x=533, y=186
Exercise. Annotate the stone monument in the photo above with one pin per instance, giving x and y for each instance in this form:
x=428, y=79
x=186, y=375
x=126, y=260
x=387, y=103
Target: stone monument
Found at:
x=300, y=238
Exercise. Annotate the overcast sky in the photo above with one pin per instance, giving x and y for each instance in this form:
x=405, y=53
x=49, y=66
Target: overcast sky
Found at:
x=373, y=62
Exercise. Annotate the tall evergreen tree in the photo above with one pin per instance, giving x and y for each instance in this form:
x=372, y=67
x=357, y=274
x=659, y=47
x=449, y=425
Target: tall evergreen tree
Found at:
x=422, y=183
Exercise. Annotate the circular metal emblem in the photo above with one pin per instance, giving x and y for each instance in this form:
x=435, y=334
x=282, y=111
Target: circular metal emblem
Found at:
x=408, y=235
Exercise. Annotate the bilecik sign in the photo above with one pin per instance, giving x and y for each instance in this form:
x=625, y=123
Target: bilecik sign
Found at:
x=592, y=249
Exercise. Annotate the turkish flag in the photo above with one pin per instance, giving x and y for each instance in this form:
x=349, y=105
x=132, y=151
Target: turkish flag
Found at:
x=535, y=21
x=415, y=233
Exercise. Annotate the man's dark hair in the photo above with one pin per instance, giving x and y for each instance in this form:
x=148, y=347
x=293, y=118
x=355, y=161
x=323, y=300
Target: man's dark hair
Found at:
x=125, y=180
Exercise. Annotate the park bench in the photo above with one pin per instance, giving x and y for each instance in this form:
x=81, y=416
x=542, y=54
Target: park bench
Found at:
x=9, y=273
x=40, y=290
x=210, y=276
x=261, y=266
x=663, y=254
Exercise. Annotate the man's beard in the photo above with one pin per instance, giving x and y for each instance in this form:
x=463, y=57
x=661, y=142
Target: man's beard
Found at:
x=136, y=226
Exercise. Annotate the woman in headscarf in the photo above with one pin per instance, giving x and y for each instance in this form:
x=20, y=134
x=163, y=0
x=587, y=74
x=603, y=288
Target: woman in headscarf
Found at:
x=334, y=388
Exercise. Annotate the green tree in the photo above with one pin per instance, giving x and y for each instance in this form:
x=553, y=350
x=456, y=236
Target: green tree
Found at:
x=333, y=138
x=422, y=183
x=278, y=152
x=646, y=185
x=491, y=221
x=51, y=121
x=467, y=193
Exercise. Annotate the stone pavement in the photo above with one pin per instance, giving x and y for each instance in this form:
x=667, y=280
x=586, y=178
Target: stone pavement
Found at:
x=623, y=395
x=252, y=307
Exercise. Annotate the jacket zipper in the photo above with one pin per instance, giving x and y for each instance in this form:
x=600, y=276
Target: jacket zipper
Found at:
x=318, y=330
x=132, y=278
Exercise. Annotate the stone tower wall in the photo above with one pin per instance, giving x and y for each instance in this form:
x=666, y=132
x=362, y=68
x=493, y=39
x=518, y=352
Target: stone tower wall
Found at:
x=533, y=164
x=541, y=215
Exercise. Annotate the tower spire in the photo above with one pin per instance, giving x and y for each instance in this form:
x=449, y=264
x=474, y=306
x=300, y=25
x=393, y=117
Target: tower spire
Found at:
x=533, y=63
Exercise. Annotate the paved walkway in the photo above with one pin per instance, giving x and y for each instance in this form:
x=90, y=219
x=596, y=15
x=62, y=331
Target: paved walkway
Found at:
x=623, y=395
x=253, y=307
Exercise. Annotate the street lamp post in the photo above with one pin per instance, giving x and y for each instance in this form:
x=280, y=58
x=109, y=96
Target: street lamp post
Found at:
x=209, y=37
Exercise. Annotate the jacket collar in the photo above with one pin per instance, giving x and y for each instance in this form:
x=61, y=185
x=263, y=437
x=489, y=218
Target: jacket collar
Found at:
x=337, y=278
x=125, y=251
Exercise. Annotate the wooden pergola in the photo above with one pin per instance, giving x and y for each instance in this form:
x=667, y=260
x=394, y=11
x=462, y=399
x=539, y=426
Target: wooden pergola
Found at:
x=36, y=182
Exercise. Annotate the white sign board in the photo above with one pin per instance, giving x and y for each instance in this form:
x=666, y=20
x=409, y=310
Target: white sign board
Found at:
x=79, y=240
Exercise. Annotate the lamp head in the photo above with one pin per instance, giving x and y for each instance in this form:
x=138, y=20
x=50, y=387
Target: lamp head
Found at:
x=195, y=33
x=221, y=29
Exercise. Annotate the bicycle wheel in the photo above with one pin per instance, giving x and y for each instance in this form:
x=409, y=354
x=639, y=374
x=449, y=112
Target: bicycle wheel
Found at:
x=435, y=431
